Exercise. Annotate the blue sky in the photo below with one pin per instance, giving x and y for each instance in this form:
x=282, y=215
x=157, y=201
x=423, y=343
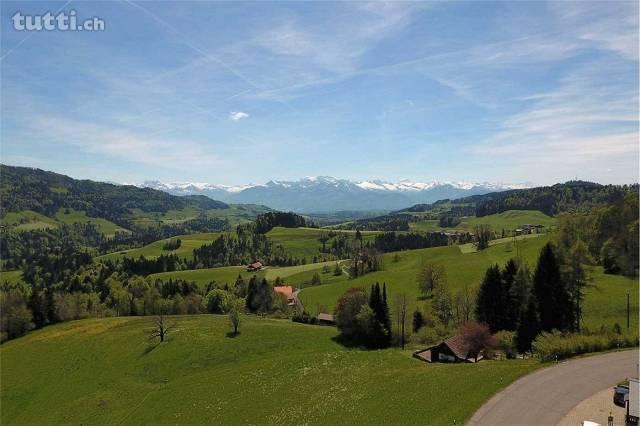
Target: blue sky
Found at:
x=234, y=92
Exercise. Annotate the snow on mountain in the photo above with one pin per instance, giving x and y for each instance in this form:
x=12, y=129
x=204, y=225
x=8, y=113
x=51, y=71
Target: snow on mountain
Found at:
x=326, y=193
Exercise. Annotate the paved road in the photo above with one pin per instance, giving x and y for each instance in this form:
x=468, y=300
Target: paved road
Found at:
x=546, y=396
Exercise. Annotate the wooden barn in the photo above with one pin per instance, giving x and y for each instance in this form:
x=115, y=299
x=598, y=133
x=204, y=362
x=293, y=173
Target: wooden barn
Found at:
x=254, y=267
x=454, y=349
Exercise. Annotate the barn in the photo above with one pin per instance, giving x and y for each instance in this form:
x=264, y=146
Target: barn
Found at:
x=454, y=349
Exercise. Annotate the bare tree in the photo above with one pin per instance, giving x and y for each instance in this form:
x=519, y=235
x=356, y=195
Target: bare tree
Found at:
x=161, y=328
x=430, y=276
x=464, y=303
x=400, y=309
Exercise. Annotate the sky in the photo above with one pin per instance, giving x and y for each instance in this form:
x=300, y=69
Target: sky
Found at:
x=246, y=92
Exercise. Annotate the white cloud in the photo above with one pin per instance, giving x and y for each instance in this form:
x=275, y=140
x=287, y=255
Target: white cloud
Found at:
x=587, y=123
x=238, y=115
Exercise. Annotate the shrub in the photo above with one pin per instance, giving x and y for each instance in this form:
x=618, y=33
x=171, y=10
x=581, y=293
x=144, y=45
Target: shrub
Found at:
x=218, y=301
x=550, y=345
x=506, y=342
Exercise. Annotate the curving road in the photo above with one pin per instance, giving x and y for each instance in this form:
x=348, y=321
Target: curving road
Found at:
x=546, y=396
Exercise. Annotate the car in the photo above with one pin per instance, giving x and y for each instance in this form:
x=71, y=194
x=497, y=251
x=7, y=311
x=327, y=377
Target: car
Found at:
x=621, y=395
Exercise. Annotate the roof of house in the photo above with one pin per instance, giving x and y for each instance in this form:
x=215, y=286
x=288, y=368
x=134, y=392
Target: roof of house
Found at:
x=325, y=317
x=424, y=355
x=256, y=265
x=285, y=289
x=458, y=346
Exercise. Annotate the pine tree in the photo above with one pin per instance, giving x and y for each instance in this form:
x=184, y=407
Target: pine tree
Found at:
x=387, y=315
x=252, y=293
x=489, y=306
x=520, y=291
x=554, y=304
x=418, y=320
x=528, y=326
x=510, y=313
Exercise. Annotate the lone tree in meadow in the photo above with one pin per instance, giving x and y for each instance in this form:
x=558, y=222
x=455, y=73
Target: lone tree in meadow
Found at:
x=430, y=277
x=161, y=328
x=234, y=317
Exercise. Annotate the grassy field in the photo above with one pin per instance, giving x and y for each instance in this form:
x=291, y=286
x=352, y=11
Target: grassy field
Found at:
x=70, y=216
x=303, y=242
x=605, y=299
x=274, y=372
x=189, y=242
x=235, y=215
x=508, y=220
x=228, y=274
x=28, y=220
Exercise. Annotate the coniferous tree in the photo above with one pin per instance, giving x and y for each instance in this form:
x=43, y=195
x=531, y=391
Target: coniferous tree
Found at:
x=489, y=307
x=520, y=291
x=528, y=326
x=252, y=294
x=552, y=297
x=510, y=314
x=418, y=320
x=387, y=315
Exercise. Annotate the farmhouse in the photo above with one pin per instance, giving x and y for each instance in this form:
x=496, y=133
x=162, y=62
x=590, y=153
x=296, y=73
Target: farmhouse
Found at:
x=255, y=266
x=454, y=349
x=326, y=319
x=287, y=292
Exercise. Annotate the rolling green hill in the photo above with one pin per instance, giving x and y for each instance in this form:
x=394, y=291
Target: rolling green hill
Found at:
x=274, y=372
x=304, y=242
x=293, y=275
x=508, y=221
x=70, y=216
x=605, y=297
x=155, y=249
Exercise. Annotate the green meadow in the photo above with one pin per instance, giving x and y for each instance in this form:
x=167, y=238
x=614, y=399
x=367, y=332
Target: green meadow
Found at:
x=228, y=274
x=509, y=220
x=605, y=302
x=28, y=220
x=189, y=242
x=104, y=371
x=304, y=242
x=70, y=216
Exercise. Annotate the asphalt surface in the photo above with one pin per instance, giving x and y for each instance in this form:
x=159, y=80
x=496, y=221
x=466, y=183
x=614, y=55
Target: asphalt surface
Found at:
x=545, y=396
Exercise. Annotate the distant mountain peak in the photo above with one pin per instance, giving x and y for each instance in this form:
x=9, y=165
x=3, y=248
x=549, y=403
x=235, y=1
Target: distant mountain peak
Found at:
x=327, y=193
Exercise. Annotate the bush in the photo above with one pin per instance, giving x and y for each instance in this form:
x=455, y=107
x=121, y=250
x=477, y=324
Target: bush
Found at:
x=548, y=346
x=506, y=342
x=219, y=301
x=429, y=336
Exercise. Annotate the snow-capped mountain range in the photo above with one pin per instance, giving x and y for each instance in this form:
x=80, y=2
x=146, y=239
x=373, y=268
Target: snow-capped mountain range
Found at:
x=323, y=194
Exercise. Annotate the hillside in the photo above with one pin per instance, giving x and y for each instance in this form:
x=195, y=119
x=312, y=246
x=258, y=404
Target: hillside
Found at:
x=551, y=200
x=508, y=220
x=34, y=199
x=605, y=303
x=45, y=192
x=274, y=372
